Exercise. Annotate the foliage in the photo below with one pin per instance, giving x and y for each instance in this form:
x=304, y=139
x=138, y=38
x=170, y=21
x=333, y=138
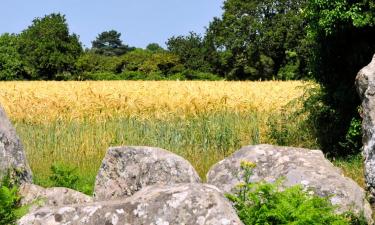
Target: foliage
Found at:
x=47, y=48
x=266, y=203
x=11, y=64
x=191, y=51
x=252, y=39
x=353, y=137
x=109, y=43
x=342, y=33
x=10, y=208
x=64, y=176
x=154, y=47
x=194, y=75
x=92, y=62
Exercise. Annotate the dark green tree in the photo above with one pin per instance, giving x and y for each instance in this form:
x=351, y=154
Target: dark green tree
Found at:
x=191, y=50
x=252, y=39
x=48, y=49
x=154, y=47
x=11, y=64
x=343, y=33
x=109, y=43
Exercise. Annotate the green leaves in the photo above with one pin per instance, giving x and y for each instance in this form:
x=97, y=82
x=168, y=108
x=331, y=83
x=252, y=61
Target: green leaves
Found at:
x=11, y=64
x=109, y=43
x=10, y=209
x=258, y=34
x=47, y=48
x=63, y=176
x=326, y=15
x=266, y=203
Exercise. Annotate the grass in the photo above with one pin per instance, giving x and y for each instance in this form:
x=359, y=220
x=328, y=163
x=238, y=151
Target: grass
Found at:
x=74, y=123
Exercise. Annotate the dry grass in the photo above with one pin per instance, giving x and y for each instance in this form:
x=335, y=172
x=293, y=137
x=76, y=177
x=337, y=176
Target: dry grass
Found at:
x=49, y=101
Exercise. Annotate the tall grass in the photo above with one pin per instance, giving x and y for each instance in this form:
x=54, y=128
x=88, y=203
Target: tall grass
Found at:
x=203, y=140
x=74, y=123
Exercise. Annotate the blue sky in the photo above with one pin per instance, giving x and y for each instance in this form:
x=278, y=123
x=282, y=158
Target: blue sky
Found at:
x=139, y=21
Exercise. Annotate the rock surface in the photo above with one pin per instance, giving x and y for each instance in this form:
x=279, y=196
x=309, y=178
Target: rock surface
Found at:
x=37, y=197
x=12, y=155
x=188, y=204
x=365, y=82
x=298, y=167
x=126, y=170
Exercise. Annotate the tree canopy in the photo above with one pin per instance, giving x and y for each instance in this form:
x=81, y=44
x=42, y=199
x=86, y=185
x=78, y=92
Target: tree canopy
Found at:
x=109, y=43
x=191, y=50
x=11, y=64
x=48, y=49
x=255, y=39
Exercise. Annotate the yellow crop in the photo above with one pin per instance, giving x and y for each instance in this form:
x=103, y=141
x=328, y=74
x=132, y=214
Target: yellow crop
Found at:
x=42, y=101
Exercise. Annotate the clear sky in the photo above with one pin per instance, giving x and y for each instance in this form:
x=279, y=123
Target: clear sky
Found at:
x=139, y=21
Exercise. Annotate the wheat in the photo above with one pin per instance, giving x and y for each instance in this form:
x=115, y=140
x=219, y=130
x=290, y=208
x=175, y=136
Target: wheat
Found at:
x=42, y=101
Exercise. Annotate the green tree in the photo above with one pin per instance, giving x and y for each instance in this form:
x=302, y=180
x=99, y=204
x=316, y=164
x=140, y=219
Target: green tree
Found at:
x=154, y=47
x=109, y=43
x=48, y=49
x=92, y=62
x=253, y=37
x=343, y=34
x=191, y=50
x=11, y=64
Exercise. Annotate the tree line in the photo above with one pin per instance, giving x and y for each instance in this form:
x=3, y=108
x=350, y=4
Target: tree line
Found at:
x=324, y=40
x=252, y=40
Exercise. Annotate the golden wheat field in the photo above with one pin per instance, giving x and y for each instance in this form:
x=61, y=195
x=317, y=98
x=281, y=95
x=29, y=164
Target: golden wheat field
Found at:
x=73, y=123
x=43, y=101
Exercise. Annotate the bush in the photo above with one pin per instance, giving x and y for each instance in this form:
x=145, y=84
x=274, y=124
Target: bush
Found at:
x=99, y=76
x=64, y=176
x=194, y=75
x=90, y=62
x=265, y=203
x=10, y=208
x=136, y=75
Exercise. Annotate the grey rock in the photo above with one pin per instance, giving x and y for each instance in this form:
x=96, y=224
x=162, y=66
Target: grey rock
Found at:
x=188, y=204
x=365, y=83
x=297, y=166
x=12, y=155
x=126, y=170
x=37, y=197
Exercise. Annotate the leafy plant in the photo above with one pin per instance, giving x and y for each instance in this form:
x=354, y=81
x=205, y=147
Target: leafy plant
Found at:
x=10, y=208
x=267, y=203
x=353, y=137
x=64, y=176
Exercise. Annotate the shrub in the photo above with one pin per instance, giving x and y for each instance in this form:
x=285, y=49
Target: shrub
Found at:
x=10, y=208
x=64, y=176
x=99, y=76
x=195, y=75
x=266, y=203
x=92, y=62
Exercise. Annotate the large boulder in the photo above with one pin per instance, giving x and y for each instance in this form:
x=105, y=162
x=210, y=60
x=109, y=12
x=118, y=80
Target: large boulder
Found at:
x=188, y=204
x=297, y=166
x=126, y=170
x=365, y=82
x=12, y=155
x=36, y=197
